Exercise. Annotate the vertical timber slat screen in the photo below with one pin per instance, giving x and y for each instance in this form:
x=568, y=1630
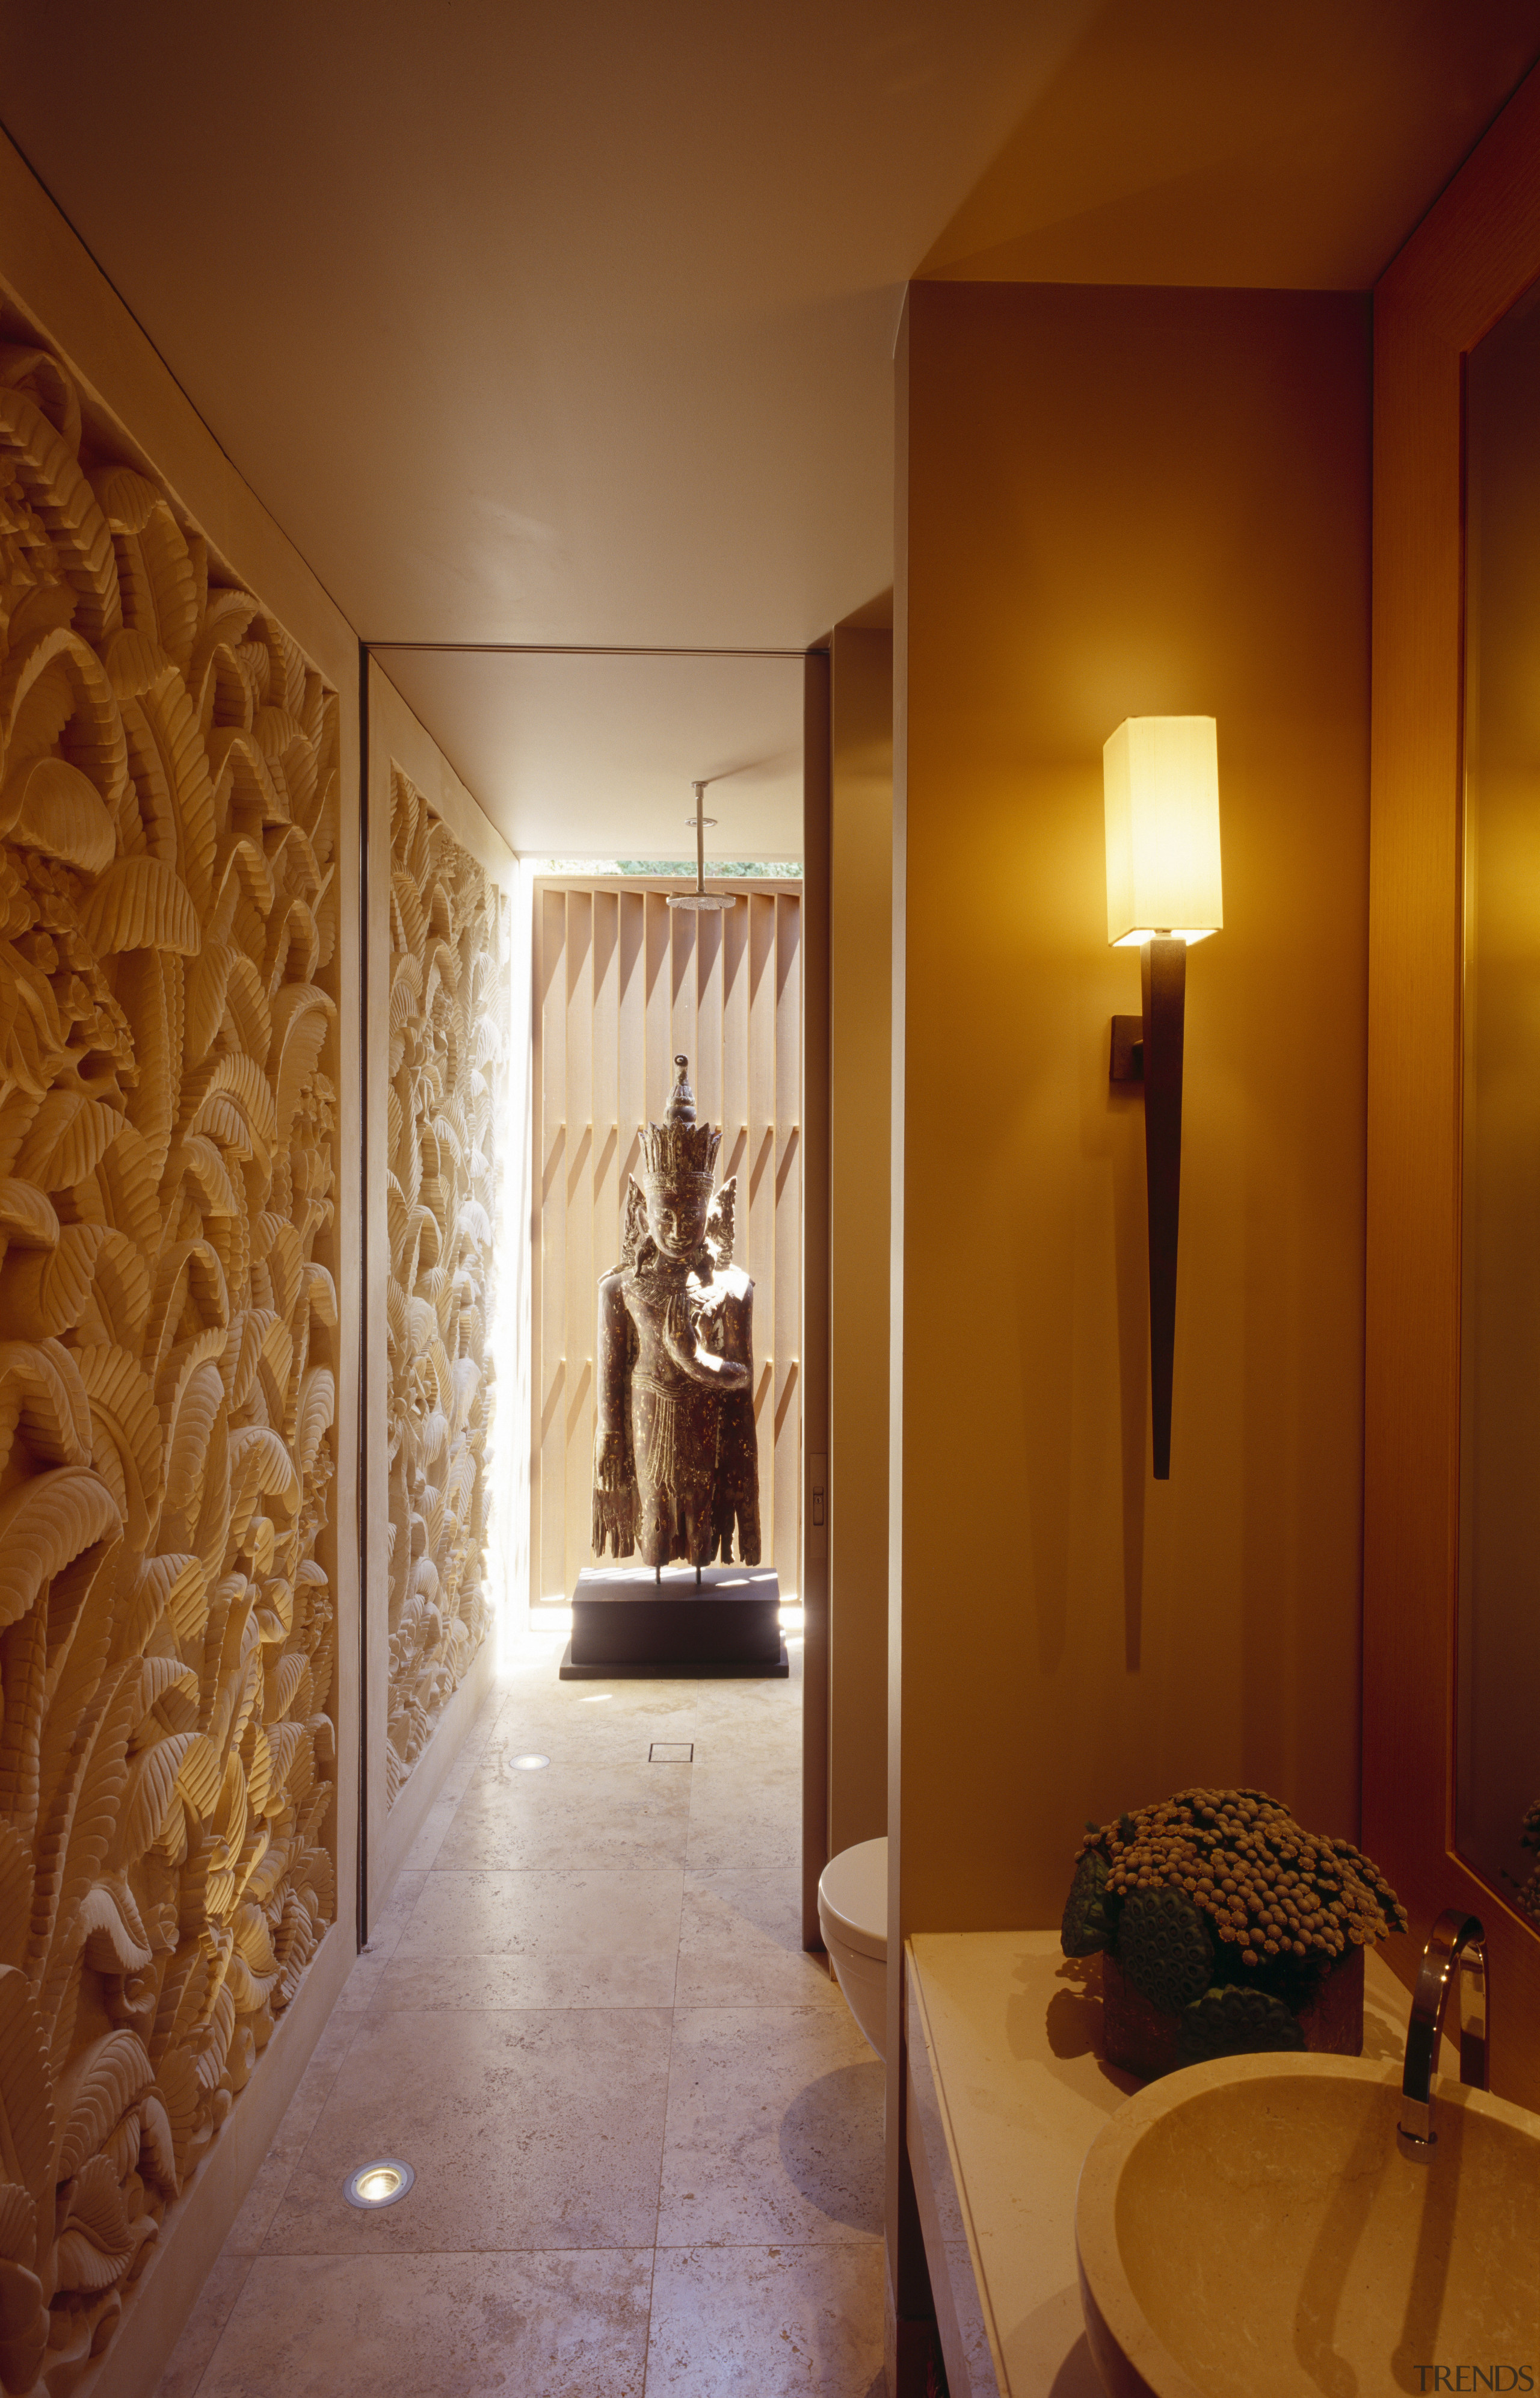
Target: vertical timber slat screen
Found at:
x=622, y=982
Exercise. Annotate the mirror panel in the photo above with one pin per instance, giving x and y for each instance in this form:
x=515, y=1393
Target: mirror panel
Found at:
x=1498, y=1687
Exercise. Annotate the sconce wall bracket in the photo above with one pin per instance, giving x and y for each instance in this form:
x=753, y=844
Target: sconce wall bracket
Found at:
x=1128, y=1049
x=1148, y=1050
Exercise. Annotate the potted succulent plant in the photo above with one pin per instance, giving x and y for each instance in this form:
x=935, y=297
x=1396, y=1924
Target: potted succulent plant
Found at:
x=1224, y=1926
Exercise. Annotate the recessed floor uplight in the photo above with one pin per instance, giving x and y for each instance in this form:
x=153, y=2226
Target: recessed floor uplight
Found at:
x=380, y=2184
x=595, y=1698
x=532, y=1763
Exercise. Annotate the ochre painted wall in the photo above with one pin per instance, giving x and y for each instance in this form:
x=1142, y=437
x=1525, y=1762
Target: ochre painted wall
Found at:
x=1113, y=503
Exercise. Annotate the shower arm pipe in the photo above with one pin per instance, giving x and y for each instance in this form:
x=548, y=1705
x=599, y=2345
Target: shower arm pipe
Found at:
x=700, y=822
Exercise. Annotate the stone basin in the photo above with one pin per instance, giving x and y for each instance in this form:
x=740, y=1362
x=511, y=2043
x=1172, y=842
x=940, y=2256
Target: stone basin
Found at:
x=1255, y=2226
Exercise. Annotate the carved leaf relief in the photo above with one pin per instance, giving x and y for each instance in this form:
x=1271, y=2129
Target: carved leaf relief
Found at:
x=447, y=1030
x=169, y=772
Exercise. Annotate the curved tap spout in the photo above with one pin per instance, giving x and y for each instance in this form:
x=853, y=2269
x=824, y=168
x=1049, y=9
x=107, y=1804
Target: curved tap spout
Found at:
x=1455, y=1951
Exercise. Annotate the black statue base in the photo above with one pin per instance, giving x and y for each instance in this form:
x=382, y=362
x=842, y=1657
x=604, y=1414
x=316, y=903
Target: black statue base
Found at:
x=628, y=1627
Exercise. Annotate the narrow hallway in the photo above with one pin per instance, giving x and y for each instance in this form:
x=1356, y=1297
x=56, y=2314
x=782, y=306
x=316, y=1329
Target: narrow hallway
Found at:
x=646, y=2130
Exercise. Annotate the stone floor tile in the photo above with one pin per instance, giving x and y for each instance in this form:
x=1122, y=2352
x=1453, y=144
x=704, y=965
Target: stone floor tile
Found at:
x=392, y=1917
x=300, y=2119
x=594, y=1721
x=200, y=2333
x=527, y=2129
x=602, y=1741
x=728, y=1763
x=587, y=1937
x=774, y=2129
x=460, y=1775
x=363, y=1982
x=774, y=2322
x=745, y=1729
x=741, y=1944
x=721, y=1743
x=508, y=2030
x=325, y=2059
x=528, y=2325
x=742, y=1819
x=569, y=1815
x=472, y=1748
x=245, y=2237
x=362, y=1986
x=429, y=1840
x=774, y=1706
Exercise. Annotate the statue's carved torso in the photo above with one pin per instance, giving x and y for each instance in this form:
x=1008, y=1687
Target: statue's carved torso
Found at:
x=676, y=1456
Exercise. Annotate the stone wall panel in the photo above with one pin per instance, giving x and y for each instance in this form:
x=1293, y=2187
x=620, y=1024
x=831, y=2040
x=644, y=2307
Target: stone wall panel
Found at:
x=169, y=1315
x=447, y=1031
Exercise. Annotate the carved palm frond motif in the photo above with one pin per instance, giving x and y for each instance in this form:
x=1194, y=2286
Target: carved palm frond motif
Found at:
x=449, y=1023
x=168, y=811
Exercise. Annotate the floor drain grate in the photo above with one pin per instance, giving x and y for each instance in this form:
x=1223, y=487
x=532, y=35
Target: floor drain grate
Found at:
x=672, y=1752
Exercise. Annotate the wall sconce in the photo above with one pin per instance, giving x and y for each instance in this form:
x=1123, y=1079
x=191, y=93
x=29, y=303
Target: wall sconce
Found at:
x=1161, y=781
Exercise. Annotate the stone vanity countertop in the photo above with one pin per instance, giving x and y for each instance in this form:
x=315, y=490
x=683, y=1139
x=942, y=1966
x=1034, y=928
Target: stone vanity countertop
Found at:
x=1007, y=2092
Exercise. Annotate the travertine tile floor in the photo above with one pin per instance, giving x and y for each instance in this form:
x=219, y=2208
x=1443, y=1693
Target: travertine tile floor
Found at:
x=648, y=2134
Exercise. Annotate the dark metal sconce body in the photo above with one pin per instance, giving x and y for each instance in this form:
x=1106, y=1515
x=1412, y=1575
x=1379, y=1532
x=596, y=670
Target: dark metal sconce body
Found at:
x=1148, y=1049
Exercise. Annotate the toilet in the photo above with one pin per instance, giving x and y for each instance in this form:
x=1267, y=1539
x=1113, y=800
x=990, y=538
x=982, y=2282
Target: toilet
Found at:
x=853, y=1915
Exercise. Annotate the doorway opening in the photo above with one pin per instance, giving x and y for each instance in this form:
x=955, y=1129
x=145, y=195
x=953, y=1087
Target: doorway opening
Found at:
x=624, y=985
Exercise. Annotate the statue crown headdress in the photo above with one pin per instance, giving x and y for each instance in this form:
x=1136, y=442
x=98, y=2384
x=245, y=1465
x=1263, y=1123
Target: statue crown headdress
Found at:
x=679, y=1150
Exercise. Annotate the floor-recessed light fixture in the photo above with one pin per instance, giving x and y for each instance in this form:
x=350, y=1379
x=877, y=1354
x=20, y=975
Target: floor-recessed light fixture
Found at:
x=379, y=2183
x=595, y=1698
x=671, y=1752
x=532, y=1763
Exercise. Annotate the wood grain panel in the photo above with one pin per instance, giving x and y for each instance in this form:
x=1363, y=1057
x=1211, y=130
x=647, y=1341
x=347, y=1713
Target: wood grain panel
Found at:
x=630, y=1040
x=658, y=1071
x=548, y=1478
x=622, y=984
x=583, y=1105
x=1466, y=264
x=735, y=1042
x=785, y=1517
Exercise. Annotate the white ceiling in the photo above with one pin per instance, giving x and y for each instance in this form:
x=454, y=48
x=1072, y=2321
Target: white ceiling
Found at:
x=538, y=323
x=574, y=324
x=580, y=757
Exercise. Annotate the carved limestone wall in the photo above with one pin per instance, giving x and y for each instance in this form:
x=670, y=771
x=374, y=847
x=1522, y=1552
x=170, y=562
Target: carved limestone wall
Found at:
x=169, y=795
x=449, y=1014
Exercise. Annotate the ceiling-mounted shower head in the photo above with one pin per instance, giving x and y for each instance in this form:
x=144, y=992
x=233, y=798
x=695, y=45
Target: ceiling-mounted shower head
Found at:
x=700, y=899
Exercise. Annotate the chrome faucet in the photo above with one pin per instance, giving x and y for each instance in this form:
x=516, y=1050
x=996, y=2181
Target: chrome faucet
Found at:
x=1456, y=1950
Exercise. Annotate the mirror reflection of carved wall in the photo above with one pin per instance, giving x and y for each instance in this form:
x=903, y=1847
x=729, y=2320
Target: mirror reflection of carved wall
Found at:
x=1497, y=1730
x=622, y=982
x=446, y=1390
x=446, y=1122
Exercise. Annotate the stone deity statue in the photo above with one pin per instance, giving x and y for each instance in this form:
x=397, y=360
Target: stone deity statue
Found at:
x=675, y=1459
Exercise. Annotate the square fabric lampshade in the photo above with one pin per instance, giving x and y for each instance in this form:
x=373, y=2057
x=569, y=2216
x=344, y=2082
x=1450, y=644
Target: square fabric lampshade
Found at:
x=1161, y=781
